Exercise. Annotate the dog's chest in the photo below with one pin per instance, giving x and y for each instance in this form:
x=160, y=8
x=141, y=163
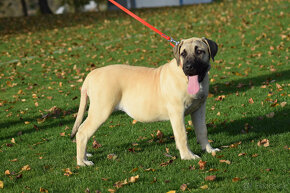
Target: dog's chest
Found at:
x=191, y=104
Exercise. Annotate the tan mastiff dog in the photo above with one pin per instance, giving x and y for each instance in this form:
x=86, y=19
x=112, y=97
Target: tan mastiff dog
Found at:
x=169, y=92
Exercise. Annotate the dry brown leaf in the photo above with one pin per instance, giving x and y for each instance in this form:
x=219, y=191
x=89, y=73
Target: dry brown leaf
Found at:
x=255, y=155
x=213, y=170
x=159, y=134
x=133, y=179
x=1, y=184
x=43, y=190
x=225, y=161
x=220, y=98
x=283, y=104
x=62, y=134
x=183, y=187
x=7, y=172
x=112, y=156
x=12, y=140
x=210, y=178
x=251, y=101
x=134, y=170
x=264, y=142
x=112, y=190
x=149, y=169
x=270, y=115
x=134, y=122
x=242, y=154
x=25, y=168
x=201, y=164
x=96, y=145
x=67, y=172
x=172, y=191
x=236, y=179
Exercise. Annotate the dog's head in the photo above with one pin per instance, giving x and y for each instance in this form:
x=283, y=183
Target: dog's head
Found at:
x=194, y=56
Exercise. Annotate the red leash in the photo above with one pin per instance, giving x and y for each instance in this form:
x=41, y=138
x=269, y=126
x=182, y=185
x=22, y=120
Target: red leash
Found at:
x=170, y=39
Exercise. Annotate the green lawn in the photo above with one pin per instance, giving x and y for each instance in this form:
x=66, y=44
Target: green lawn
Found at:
x=44, y=59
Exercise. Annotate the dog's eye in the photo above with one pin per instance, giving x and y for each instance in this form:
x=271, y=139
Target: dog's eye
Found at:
x=199, y=52
x=184, y=53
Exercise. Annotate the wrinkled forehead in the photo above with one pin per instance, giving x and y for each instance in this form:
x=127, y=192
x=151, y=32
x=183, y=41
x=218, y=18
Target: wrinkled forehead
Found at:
x=190, y=44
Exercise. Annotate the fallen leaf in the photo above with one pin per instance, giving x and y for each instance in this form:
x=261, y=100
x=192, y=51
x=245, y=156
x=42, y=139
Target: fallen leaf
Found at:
x=251, y=101
x=171, y=191
x=43, y=190
x=67, y=172
x=149, y=169
x=19, y=176
x=112, y=156
x=225, y=161
x=133, y=179
x=159, y=134
x=270, y=115
x=190, y=123
x=25, y=168
x=283, y=104
x=220, y=98
x=96, y=145
x=12, y=140
x=14, y=160
x=166, y=163
x=210, y=178
x=201, y=164
x=268, y=169
x=255, y=155
x=1, y=184
x=236, y=179
x=204, y=187
x=213, y=170
x=183, y=187
x=7, y=172
x=242, y=154
x=134, y=122
x=62, y=134
x=264, y=142
x=111, y=190
x=134, y=170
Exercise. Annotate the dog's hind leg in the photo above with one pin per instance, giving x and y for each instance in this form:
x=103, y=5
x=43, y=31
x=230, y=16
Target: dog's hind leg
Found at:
x=97, y=116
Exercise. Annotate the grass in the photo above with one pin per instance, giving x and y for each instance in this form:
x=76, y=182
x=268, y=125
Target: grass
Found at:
x=44, y=59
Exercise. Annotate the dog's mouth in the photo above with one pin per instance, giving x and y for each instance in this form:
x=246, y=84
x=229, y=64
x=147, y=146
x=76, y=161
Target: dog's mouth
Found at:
x=195, y=72
x=193, y=85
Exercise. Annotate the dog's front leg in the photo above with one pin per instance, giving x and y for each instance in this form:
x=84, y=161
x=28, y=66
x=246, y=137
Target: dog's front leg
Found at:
x=198, y=119
x=177, y=123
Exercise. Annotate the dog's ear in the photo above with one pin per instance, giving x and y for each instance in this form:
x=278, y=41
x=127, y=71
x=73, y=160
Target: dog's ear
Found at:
x=212, y=47
x=176, y=52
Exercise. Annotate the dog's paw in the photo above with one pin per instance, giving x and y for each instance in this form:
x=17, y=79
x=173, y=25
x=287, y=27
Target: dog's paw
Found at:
x=85, y=163
x=209, y=149
x=189, y=156
x=89, y=155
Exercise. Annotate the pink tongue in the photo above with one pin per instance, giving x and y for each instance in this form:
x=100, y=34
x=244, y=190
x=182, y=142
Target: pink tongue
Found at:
x=193, y=84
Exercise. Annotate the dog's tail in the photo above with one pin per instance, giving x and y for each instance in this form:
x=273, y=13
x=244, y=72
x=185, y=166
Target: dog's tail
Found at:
x=81, y=112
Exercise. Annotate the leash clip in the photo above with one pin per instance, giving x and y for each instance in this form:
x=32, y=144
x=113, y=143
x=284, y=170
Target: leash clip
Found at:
x=173, y=41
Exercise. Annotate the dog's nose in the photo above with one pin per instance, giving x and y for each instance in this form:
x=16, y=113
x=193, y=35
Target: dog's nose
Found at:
x=188, y=66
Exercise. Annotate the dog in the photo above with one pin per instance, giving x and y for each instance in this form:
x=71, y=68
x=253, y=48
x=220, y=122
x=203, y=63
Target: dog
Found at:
x=169, y=92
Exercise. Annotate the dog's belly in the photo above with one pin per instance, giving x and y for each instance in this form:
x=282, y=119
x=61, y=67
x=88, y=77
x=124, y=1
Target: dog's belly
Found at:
x=142, y=112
